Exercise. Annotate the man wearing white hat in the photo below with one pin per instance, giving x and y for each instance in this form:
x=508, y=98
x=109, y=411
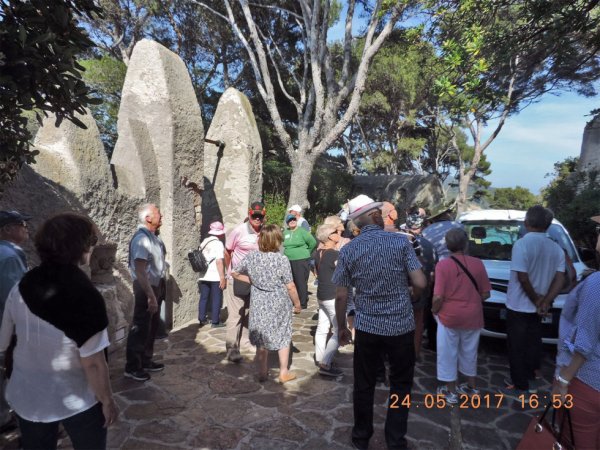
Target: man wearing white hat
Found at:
x=379, y=265
x=296, y=211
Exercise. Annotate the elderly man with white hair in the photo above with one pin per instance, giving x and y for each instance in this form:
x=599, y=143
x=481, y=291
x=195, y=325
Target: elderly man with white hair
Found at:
x=296, y=211
x=148, y=269
x=379, y=265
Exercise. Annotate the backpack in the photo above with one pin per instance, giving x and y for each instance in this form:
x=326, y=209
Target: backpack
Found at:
x=198, y=261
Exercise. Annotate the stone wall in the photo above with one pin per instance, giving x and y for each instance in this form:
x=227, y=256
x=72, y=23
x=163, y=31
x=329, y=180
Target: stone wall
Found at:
x=232, y=171
x=401, y=190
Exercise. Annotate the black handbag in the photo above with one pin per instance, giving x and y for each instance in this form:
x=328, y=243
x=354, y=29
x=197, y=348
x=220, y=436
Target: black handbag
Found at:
x=241, y=288
x=198, y=261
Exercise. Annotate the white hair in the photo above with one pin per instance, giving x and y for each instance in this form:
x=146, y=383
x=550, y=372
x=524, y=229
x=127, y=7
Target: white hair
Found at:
x=144, y=211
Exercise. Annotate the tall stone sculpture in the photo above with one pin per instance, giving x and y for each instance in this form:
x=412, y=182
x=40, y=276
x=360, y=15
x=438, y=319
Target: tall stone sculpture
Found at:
x=233, y=170
x=160, y=144
x=589, y=158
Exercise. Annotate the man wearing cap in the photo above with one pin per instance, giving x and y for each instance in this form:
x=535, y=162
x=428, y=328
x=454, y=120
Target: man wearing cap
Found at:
x=148, y=268
x=13, y=265
x=242, y=240
x=296, y=211
x=378, y=264
x=436, y=232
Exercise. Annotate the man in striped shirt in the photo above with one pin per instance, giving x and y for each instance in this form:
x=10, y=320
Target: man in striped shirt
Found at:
x=379, y=265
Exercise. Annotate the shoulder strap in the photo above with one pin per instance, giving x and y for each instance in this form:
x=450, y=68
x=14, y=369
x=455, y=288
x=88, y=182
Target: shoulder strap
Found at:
x=206, y=243
x=466, y=272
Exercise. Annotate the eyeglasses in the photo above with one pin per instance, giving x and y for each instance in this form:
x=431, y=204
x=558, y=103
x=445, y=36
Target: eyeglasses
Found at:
x=257, y=216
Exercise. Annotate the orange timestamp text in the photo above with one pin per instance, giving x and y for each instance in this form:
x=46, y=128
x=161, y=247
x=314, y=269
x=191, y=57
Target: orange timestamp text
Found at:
x=431, y=401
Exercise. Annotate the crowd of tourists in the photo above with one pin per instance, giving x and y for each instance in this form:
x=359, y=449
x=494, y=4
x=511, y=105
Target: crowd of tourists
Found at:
x=380, y=285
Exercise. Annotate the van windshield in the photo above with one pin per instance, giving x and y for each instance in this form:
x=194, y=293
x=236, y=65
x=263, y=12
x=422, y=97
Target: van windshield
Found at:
x=489, y=239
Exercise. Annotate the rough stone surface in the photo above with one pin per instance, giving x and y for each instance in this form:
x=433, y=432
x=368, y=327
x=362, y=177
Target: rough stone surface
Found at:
x=401, y=190
x=233, y=174
x=161, y=143
x=72, y=174
x=589, y=159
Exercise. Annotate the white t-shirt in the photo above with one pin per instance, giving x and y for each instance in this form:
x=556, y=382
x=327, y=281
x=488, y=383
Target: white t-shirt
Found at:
x=541, y=258
x=213, y=249
x=48, y=382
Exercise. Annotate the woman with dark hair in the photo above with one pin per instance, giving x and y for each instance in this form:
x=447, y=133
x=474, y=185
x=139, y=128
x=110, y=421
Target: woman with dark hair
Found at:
x=461, y=286
x=577, y=371
x=272, y=287
x=60, y=373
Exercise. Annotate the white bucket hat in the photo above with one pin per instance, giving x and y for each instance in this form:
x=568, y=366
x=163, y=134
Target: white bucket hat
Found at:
x=295, y=208
x=360, y=205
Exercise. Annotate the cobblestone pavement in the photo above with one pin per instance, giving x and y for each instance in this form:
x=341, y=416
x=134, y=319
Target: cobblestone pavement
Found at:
x=202, y=401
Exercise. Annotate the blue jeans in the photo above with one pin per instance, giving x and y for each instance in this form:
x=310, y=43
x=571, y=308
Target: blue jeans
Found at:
x=210, y=289
x=85, y=430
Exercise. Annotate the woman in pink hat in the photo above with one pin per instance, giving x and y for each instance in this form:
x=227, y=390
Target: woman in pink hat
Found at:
x=213, y=282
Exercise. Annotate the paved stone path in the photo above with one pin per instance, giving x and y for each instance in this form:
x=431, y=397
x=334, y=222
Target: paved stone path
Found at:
x=202, y=401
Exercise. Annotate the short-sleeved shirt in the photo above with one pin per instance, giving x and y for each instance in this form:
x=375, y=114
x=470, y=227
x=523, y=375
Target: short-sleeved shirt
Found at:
x=325, y=262
x=241, y=241
x=212, y=249
x=462, y=306
x=436, y=234
x=538, y=256
x=48, y=382
x=579, y=330
x=377, y=263
x=149, y=247
x=13, y=266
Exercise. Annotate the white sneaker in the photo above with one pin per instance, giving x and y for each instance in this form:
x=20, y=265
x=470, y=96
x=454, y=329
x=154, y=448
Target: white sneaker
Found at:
x=467, y=390
x=451, y=397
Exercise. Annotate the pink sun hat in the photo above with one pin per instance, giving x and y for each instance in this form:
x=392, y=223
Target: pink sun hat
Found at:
x=217, y=229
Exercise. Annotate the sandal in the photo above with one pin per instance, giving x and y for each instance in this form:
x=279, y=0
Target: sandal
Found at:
x=288, y=377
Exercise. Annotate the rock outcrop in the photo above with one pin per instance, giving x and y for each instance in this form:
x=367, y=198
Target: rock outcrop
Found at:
x=232, y=171
x=589, y=158
x=160, y=144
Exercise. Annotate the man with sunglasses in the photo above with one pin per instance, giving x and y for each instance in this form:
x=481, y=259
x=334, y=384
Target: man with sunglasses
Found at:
x=13, y=265
x=242, y=240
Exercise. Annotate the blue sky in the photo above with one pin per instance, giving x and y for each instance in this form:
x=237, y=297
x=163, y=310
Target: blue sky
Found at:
x=532, y=141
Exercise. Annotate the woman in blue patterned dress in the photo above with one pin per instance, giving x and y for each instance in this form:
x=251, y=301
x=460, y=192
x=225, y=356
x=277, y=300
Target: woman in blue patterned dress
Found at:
x=273, y=292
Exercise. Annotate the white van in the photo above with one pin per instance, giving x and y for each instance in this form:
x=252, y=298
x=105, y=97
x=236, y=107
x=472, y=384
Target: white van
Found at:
x=492, y=234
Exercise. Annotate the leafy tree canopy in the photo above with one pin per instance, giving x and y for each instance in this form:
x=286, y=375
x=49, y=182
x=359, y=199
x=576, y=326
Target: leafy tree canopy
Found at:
x=513, y=198
x=39, y=44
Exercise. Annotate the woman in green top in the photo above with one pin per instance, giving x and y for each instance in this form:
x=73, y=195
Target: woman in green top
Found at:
x=298, y=245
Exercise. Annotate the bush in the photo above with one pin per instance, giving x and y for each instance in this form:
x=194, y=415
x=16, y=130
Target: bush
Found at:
x=276, y=206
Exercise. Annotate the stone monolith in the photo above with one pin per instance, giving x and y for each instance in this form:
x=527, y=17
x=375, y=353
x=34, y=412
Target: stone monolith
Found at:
x=233, y=171
x=160, y=144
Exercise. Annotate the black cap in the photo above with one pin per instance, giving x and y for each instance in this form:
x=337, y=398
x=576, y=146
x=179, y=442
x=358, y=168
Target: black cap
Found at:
x=10, y=217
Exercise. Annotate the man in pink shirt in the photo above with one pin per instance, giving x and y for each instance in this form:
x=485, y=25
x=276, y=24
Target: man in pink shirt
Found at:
x=242, y=240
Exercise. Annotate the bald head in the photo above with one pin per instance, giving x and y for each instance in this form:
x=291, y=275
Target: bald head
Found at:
x=389, y=213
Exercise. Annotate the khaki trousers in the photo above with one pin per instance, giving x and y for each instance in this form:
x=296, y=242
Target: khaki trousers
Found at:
x=237, y=320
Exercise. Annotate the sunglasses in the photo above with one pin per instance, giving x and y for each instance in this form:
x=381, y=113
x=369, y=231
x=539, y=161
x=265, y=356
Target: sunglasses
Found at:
x=257, y=216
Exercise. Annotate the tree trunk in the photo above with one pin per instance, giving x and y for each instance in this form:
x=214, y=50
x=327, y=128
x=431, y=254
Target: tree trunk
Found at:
x=463, y=190
x=300, y=180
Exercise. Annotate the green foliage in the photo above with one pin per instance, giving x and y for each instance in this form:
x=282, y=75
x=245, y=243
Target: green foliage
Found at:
x=39, y=44
x=513, y=198
x=276, y=205
x=106, y=76
x=276, y=180
x=329, y=189
x=574, y=197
